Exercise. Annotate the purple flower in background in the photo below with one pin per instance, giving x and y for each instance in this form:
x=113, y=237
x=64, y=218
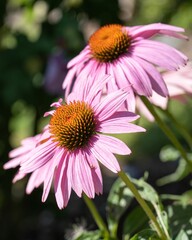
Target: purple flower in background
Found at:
x=56, y=71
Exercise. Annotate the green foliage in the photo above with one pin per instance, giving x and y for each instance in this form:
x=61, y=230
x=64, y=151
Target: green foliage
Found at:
x=180, y=221
x=146, y=235
x=134, y=222
x=94, y=235
x=169, y=153
x=120, y=198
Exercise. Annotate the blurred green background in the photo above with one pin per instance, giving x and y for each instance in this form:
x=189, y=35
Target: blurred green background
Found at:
x=37, y=39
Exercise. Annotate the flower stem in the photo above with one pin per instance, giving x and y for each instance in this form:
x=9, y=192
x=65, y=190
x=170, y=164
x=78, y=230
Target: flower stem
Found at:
x=167, y=131
x=97, y=217
x=179, y=126
x=143, y=204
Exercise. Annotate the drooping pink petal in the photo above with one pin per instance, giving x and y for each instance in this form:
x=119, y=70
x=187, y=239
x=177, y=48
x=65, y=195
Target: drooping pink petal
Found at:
x=73, y=173
x=17, y=151
x=105, y=157
x=147, y=31
x=160, y=56
x=95, y=171
x=110, y=104
x=96, y=88
x=14, y=162
x=123, y=116
x=35, y=180
x=137, y=76
x=19, y=175
x=97, y=180
x=119, y=127
x=156, y=78
x=86, y=176
x=174, y=55
x=78, y=58
x=39, y=156
x=69, y=80
x=62, y=184
x=58, y=156
x=113, y=144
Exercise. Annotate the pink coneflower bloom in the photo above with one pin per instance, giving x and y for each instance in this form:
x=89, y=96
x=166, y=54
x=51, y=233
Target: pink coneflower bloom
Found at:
x=75, y=141
x=179, y=83
x=130, y=56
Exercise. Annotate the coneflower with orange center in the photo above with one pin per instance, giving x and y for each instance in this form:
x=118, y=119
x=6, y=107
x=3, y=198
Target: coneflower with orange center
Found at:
x=74, y=142
x=130, y=56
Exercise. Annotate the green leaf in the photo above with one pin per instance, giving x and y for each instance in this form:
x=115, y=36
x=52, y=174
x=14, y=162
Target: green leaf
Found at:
x=120, y=198
x=148, y=193
x=184, y=235
x=146, y=235
x=180, y=221
x=92, y=235
x=169, y=153
x=186, y=198
x=118, y=201
x=181, y=172
x=134, y=222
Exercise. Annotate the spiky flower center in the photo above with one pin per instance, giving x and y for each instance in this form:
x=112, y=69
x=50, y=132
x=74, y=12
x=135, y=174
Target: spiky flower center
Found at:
x=109, y=42
x=72, y=125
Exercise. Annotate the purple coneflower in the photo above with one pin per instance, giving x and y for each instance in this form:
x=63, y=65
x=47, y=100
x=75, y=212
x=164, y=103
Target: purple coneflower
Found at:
x=130, y=56
x=75, y=141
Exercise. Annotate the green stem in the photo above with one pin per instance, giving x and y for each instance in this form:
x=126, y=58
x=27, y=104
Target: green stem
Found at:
x=97, y=217
x=143, y=204
x=167, y=131
x=179, y=126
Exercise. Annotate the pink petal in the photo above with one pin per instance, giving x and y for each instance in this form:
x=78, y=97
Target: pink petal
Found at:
x=111, y=103
x=162, y=55
x=58, y=103
x=19, y=175
x=35, y=180
x=95, y=171
x=50, y=172
x=69, y=80
x=149, y=30
x=176, y=56
x=157, y=81
x=20, y=150
x=136, y=76
x=80, y=57
x=39, y=156
x=118, y=73
x=46, y=114
x=97, y=180
x=119, y=127
x=96, y=88
x=124, y=116
x=62, y=184
x=73, y=173
x=15, y=162
x=113, y=144
x=105, y=157
x=86, y=176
